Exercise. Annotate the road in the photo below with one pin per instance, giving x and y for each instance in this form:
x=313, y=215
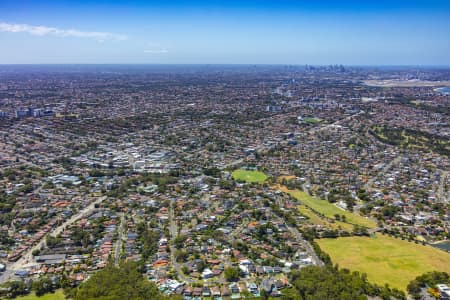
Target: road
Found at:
x=306, y=184
x=298, y=236
x=337, y=123
x=119, y=242
x=441, y=189
x=233, y=163
x=305, y=245
x=27, y=258
x=386, y=168
x=173, y=230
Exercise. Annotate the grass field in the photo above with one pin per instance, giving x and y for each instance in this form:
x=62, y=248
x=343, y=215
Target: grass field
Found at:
x=385, y=259
x=249, y=176
x=311, y=120
x=58, y=295
x=316, y=220
x=328, y=209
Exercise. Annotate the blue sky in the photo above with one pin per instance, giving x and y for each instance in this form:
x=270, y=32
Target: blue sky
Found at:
x=254, y=32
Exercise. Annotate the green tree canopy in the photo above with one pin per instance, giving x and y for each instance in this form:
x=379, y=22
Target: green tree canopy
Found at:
x=118, y=283
x=231, y=274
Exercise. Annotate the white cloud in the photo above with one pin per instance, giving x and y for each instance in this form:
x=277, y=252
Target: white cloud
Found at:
x=44, y=30
x=156, y=51
x=155, y=48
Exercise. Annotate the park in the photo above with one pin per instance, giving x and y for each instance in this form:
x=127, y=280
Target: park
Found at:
x=249, y=176
x=385, y=259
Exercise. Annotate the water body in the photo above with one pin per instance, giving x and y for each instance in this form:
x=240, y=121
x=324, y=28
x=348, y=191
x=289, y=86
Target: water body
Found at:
x=443, y=246
x=444, y=90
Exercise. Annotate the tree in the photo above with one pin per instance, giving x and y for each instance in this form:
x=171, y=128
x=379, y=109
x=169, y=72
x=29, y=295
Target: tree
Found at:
x=181, y=255
x=179, y=241
x=329, y=282
x=201, y=265
x=231, y=274
x=52, y=241
x=15, y=288
x=213, y=172
x=185, y=270
x=427, y=279
x=149, y=240
x=42, y=286
x=117, y=283
x=360, y=230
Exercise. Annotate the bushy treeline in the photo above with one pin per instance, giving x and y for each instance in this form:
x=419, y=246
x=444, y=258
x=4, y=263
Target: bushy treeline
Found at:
x=426, y=280
x=117, y=283
x=333, y=283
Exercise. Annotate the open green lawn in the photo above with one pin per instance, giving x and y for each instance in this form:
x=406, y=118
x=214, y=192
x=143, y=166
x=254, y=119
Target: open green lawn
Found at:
x=249, y=176
x=328, y=209
x=313, y=218
x=312, y=120
x=58, y=295
x=385, y=259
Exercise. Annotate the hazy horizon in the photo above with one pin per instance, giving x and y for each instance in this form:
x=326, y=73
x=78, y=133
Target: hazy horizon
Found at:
x=286, y=32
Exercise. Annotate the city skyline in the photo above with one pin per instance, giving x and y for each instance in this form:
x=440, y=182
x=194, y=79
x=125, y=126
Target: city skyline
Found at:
x=219, y=32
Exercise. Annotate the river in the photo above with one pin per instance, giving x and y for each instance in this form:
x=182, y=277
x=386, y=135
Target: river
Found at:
x=444, y=90
x=443, y=245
